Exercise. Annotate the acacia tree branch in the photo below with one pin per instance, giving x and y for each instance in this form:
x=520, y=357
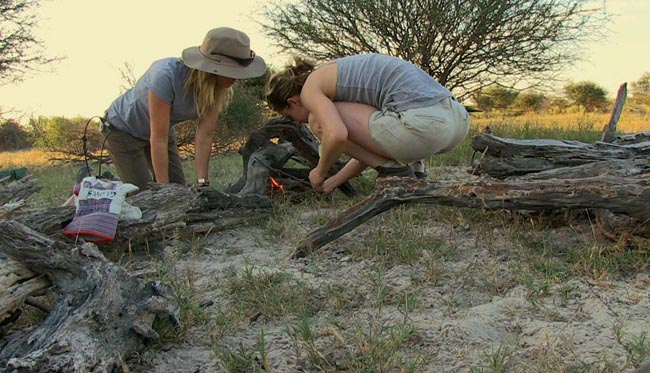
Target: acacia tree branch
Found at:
x=465, y=45
x=20, y=50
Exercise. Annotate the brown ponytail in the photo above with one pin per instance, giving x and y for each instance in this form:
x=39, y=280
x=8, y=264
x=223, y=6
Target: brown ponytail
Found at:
x=287, y=82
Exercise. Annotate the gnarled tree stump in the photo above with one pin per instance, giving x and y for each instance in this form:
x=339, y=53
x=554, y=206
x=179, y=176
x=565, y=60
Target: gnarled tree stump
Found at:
x=100, y=315
x=267, y=151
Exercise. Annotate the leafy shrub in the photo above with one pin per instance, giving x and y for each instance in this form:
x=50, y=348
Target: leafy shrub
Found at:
x=64, y=135
x=530, y=101
x=588, y=95
x=495, y=98
x=13, y=136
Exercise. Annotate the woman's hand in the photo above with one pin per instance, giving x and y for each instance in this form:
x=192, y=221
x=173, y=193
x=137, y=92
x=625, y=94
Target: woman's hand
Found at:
x=329, y=185
x=316, y=178
x=351, y=169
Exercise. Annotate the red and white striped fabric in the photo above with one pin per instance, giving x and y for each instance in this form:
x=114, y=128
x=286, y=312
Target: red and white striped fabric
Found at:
x=99, y=204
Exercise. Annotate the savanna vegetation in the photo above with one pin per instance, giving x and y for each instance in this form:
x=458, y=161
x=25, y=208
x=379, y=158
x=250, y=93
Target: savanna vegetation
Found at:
x=363, y=304
x=420, y=288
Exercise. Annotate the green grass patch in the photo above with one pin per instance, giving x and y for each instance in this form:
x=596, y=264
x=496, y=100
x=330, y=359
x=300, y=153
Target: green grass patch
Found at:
x=274, y=295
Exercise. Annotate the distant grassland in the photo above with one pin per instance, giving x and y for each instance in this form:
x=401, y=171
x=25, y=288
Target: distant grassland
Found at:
x=560, y=125
x=586, y=128
x=58, y=179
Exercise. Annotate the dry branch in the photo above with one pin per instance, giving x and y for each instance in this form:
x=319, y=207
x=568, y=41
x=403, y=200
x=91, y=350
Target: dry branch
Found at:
x=625, y=195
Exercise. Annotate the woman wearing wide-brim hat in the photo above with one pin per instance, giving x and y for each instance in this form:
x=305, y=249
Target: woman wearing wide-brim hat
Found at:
x=139, y=125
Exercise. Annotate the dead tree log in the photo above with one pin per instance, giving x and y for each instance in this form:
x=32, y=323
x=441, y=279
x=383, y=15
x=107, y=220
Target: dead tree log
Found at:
x=262, y=158
x=510, y=157
x=628, y=195
x=101, y=314
x=17, y=282
x=18, y=190
x=632, y=139
x=166, y=210
x=502, y=158
x=98, y=342
x=260, y=165
x=609, y=132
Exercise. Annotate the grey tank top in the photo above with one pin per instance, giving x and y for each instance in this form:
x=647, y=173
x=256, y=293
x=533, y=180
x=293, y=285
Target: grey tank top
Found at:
x=386, y=82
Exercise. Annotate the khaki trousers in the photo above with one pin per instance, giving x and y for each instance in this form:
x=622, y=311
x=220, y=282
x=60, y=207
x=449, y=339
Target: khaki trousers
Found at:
x=132, y=158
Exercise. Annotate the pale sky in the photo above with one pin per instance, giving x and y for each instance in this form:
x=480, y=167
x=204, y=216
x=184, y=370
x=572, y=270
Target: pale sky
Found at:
x=97, y=37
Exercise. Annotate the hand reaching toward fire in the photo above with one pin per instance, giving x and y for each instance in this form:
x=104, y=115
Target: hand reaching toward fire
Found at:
x=316, y=179
x=329, y=185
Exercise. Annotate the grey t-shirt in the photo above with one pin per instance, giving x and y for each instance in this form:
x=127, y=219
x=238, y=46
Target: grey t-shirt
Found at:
x=166, y=79
x=386, y=82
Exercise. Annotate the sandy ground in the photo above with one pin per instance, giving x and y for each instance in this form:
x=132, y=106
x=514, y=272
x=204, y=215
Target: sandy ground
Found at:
x=473, y=314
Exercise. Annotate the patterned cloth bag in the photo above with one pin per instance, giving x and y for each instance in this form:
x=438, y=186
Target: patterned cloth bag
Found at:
x=99, y=205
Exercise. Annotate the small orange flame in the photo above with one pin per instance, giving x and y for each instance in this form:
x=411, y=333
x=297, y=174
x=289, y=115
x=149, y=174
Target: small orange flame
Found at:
x=275, y=185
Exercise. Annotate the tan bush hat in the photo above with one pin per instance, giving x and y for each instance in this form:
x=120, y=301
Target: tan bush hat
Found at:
x=226, y=52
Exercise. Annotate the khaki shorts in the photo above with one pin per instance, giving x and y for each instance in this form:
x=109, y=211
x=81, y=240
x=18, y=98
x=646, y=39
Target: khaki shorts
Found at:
x=419, y=133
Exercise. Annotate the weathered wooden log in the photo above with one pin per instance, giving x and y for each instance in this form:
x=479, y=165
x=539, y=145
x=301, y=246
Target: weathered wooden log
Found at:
x=260, y=165
x=618, y=168
x=510, y=157
x=101, y=314
x=634, y=138
x=18, y=189
x=609, y=132
x=625, y=195
x=282, y=130
x=166, y=210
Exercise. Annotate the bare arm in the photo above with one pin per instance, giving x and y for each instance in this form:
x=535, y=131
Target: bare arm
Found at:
x=317, y=95
x=203, y=144
x=159, y=119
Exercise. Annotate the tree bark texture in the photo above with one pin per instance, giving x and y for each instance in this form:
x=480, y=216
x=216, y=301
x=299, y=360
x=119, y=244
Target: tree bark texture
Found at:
x=17, y=190
x=100, y=315
x=17, y=283
x=502, y=158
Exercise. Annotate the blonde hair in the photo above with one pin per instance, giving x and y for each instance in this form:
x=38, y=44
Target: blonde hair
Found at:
x=209, y=95
x=287, y=83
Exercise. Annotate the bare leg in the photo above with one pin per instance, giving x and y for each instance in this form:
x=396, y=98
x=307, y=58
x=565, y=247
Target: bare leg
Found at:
x=360, y=145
